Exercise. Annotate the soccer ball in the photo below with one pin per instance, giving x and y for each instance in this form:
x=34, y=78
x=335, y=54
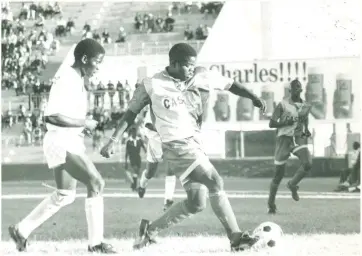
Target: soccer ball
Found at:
x=269, y=234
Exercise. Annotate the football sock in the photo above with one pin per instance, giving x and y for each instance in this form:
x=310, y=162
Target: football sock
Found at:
x=94, y=211
x=43, y=211
x=177, y=213
x=143, y=179
x=298, y=176
x=223, y=210
x=135, y=179
x=272, y=193
x=170, y=184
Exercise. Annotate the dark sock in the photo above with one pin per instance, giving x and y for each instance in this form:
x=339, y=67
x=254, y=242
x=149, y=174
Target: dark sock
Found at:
x=224, y=212
x=272, y=193
x=298, y=176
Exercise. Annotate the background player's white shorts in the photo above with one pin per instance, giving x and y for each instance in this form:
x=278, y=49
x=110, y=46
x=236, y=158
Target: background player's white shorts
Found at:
x=56, y=145
x=154, y=149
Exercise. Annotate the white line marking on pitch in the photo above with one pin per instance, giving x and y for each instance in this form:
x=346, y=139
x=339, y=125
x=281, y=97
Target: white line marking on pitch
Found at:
x=154, y=195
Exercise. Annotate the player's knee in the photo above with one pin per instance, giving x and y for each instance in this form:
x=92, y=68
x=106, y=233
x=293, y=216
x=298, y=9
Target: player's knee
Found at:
x=307, y=166
x=217, y=185
x=195, y=206
x=279, y=174
x=97, y=185
x=63, y=197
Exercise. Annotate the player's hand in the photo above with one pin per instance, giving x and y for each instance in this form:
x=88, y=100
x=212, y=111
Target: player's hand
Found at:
x=260, y=103
x=307, y=134
x=106, y=151
x=90, y=124
x=87, y=132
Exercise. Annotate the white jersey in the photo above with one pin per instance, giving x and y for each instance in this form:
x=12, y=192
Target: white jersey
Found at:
x=67, y=97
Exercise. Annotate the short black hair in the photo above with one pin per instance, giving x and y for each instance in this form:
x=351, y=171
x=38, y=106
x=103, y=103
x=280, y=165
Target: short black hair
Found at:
x=88, y=47
x=181, y=52
x=295, y=82
x=356, y=145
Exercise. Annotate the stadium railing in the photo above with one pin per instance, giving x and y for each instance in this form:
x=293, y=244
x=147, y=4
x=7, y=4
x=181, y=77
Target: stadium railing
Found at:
x=145, y=48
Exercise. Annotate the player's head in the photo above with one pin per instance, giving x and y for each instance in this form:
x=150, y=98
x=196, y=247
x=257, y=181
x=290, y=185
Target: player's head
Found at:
x=295, y=88
x=88, y=55
x=356, y=145
x=182, y=58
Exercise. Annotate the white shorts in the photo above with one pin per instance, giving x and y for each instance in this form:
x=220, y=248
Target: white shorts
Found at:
x=57, y=144
x=154, y=149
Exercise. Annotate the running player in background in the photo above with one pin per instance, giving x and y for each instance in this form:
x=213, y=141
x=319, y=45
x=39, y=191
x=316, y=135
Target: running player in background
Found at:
x=175, y=119
x=133, y=153
x=154, y=156
x=64, y=150
x=290, y=118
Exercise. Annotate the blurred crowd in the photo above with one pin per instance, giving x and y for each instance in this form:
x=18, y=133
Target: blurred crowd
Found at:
x=150, y=23
x=25, y=48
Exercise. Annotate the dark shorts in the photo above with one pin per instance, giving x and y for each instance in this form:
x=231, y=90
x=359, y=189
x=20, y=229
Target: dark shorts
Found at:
x=286, y=145
x=181, y=157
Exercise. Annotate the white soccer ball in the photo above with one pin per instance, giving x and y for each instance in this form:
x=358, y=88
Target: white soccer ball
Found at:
x=270, y=235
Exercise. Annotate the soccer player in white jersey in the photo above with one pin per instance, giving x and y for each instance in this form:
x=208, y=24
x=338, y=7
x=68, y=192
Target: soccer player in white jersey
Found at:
x=174, y=107
x=290, y=118
x=154, y=156
x=64, y=150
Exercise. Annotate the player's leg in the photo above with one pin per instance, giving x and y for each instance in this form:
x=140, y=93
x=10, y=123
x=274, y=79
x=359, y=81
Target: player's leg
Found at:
x=80, y=167
x=136, y=167
x=154, y=156
x=194, y=203
x=170, y=186
x=281, y=155
x=62, y=196
x=203, y=172
x=302, y=152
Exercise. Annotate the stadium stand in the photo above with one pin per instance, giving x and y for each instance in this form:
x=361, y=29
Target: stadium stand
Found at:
x=52, y=29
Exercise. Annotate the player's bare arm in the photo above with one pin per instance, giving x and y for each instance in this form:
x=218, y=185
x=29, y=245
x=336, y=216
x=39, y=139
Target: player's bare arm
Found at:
x=241, y=91
x=139, y=100
x=276, y=122
x=64, y=121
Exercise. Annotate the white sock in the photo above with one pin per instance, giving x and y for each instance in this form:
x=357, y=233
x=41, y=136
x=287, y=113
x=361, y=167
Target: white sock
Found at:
x=94, y=211
x=43, y=211
x=170, y=184
x=143, y=179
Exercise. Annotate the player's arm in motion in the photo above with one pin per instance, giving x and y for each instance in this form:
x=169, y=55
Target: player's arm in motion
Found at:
x=64, y=151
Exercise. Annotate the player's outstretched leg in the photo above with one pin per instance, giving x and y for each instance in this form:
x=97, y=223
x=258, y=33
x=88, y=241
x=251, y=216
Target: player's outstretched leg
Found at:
x=146, y=175
x=306, y=164
x=204, y=174
x=83, y=169
x=170, y=184
x=62, y=196
x=274, y=185
x=195, y=202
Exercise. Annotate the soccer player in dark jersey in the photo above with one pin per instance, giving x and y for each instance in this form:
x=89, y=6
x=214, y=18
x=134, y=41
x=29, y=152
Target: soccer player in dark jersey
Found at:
x=290, y=118
x=133, y=153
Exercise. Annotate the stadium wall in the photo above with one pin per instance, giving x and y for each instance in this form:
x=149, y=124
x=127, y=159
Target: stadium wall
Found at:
x=322, y=167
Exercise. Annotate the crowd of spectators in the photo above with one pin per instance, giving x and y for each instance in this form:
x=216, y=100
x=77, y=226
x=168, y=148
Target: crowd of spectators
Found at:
x=25, y=49
x=150, y=23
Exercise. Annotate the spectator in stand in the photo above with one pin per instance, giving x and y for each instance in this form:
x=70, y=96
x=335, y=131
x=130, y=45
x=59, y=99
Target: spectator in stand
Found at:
x=70, y=26
x=21, y=117
x=24, y=12
x=122, y=35
x=96, y=36
x=60, y=30
x=138, y=22
x=159, y=24
x=33, y=10
x=57, y=9
x=106, y=37
x=101, y=88
x=188, y=34
x=201, y=34
x=28, y=131
x=169, y=23
x=188, y=7
x=40, y=21
x=86, y=28
x=111, y=92
x=150, y=23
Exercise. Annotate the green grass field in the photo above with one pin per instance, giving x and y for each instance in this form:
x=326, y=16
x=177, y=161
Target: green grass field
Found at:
x=321, y=223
